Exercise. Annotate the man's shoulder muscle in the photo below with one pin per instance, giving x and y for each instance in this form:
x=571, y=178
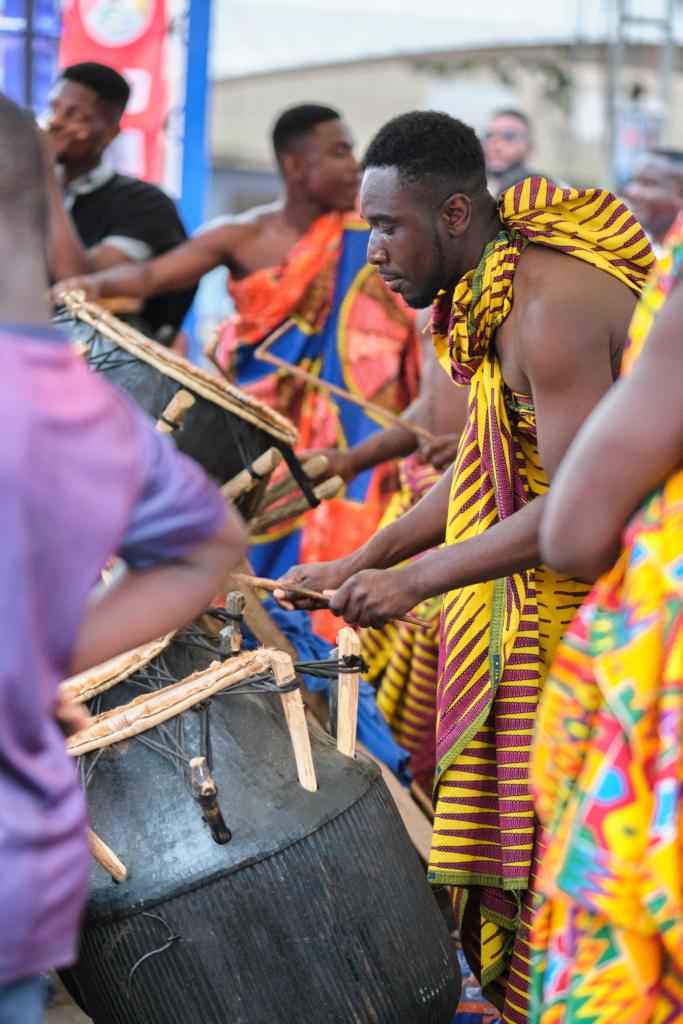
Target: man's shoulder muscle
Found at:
x=554, y=291
x=229, y=233
x=564, y=309
x=550, y=277
x=250, y=224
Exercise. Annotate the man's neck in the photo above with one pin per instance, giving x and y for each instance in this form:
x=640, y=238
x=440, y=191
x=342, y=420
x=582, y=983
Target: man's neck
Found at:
x=77, y=170
x=485, y=226
x=23, y=279
x=300, y=212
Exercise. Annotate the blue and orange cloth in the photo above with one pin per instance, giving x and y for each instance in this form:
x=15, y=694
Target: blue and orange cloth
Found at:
x=403, y=659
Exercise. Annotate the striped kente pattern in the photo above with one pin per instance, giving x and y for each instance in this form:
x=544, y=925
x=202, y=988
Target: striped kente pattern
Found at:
x=404, y=659
x=498, y=638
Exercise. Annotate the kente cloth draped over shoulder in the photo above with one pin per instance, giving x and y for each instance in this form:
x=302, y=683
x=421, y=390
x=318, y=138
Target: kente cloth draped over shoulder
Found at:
x=403, y=659
x=349, y=330
x=608, y=767
x=498, y=638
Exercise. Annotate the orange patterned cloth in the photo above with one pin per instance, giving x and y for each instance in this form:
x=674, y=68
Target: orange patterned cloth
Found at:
x=267, y=297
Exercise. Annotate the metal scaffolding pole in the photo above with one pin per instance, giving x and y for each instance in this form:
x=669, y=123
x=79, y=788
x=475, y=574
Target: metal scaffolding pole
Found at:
x=626, y=23
x=28, y=57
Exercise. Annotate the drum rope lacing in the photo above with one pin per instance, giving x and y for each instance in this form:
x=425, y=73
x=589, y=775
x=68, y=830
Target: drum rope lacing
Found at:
x=169, y=739
x=297, y=471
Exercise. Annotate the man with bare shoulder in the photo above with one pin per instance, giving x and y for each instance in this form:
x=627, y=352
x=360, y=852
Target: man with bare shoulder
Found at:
x=320, y=174
x=533, y=297
x=300, y=264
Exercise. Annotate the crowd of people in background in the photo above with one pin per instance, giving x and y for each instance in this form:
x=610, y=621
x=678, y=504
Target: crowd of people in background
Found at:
x=538, y=529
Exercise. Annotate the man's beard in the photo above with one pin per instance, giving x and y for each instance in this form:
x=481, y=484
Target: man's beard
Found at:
x=434, y=282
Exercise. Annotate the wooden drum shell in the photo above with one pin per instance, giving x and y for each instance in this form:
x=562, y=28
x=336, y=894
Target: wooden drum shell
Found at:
x=317, y=910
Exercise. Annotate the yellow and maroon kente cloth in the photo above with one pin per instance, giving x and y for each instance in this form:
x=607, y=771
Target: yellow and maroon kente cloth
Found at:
x=498, y=638
x=608, y=768
x=403, y=659
x=350, y=330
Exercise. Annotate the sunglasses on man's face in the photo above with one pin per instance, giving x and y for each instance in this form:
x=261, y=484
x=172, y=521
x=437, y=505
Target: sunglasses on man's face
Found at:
x=508, y=136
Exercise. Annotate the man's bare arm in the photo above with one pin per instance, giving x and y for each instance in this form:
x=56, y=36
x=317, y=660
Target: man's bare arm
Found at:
x=629, y=446
x=566, y=359
x=144, y=605
x=421, y=528
x=176, y=270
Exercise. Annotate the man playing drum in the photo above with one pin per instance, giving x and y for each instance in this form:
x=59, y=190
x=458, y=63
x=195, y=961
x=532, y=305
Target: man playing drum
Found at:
x=535, y=367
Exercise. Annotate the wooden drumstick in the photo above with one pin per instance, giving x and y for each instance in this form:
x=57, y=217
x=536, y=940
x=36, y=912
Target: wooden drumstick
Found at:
x=347, y=699
x=263, y=353
x=298, y=591
x=105, y=857
x=283, y=670
x=172, y=416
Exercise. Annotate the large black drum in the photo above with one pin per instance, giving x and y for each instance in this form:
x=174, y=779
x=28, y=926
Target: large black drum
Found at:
x=316, y=912
x=224, y=430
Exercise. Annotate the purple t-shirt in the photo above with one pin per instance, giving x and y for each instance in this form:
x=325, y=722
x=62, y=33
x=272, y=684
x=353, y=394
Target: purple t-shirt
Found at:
x=83, y=475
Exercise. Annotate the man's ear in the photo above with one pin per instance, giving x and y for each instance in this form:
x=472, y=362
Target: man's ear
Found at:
x=457, y=213
x=291, y=167
x=109, y=134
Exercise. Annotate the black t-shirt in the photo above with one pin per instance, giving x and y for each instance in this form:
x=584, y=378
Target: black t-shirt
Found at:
x=131, y=208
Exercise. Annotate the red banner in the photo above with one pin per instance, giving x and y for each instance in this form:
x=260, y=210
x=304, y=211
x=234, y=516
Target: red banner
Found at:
x=128, y=35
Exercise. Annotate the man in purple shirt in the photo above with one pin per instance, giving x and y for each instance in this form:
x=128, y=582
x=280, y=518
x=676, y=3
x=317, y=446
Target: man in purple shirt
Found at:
x=82, y=476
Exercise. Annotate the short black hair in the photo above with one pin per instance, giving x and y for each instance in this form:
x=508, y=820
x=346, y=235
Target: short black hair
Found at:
x=23, y=193
x=433, y=151
x=511, y=112
x=293, y=124
x=112, y=89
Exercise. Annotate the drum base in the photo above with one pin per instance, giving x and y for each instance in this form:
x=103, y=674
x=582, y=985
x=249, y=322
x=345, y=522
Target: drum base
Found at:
x=339, y=927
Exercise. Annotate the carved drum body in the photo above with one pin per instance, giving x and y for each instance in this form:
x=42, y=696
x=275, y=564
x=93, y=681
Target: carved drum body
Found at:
x=316, y=912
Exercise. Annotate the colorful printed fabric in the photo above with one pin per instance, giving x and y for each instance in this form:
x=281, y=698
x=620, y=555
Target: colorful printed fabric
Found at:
x=304, y=282
x=472, y=1009
x=350, y=330
x=403, y=659
x=498, y=638
x=607, y=771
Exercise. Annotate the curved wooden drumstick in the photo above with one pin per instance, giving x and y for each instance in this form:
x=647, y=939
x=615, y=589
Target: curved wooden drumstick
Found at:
x=298, y=591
